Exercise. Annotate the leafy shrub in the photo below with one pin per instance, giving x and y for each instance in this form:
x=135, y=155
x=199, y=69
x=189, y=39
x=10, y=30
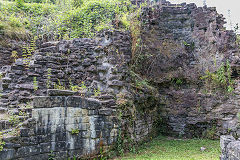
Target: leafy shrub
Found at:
x=77, y=3
x=220, y=79
x=14, y=21
x=85, y=20
x=58, y=19
x=19, y=3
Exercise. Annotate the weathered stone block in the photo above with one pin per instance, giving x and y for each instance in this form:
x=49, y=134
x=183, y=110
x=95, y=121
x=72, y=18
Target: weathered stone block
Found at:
x=105, y=111
x=233, y=150
x=91, y=103
x=57, y=92
x=45, y=147
x=7, y=154
x=74, y=102
x=59, y=146
x=24, y=132
x=48, y=102
x=92, y=112
x=224, y=141
x=28, y=151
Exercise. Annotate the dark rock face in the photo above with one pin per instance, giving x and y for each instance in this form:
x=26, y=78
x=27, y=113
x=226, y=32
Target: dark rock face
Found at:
x=184, y=41
x=179, y=44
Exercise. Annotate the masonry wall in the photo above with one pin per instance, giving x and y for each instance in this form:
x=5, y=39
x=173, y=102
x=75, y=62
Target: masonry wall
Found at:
x=48, y=129
x=51, y=129
x=180, y=43
x=99, y=63
x=62, y=127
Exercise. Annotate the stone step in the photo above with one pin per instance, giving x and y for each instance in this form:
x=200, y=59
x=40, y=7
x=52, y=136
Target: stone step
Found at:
x=49, y=44
x=56, y=92
x=51, y=49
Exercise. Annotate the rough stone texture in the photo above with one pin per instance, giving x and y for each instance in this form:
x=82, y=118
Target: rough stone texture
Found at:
x=185, y=41
x=100, y=63
x=50, y=129
x=181, y=42
x=53, y=126
x=230, y=148
x=6, y=49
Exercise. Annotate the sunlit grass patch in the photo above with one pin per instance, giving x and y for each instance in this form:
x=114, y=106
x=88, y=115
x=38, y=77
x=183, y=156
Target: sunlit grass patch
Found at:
x=163, y=148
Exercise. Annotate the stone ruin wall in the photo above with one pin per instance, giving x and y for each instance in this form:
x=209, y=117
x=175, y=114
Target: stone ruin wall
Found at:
x=92, y=61
x=184, y=41
x=102, y=64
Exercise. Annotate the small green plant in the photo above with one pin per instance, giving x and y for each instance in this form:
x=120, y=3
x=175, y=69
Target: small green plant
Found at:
x=49, y=73
x=14, y=55
x=186, y=44
x=119, y=146
x=220, y=79
x=179, y=82
x=35, y=84
x=75, y=131
x=77, y=3
x=51, y=156
x=15, y=119
x=15, y=132
x=97, y=92
x=59, y=86
x=74, y=158
x=101, y=155
x=27, y=105
x=238, y=116
x=19, y=3
x=27, y=51
x=2, y=143
x=74, y=88
x=189, y=46
x=83, y=86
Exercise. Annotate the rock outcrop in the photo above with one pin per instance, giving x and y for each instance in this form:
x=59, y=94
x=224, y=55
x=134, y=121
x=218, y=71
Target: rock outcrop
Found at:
x=180, y=44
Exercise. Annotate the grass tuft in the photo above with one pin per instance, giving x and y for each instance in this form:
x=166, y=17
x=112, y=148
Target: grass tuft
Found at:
x=163, y=148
